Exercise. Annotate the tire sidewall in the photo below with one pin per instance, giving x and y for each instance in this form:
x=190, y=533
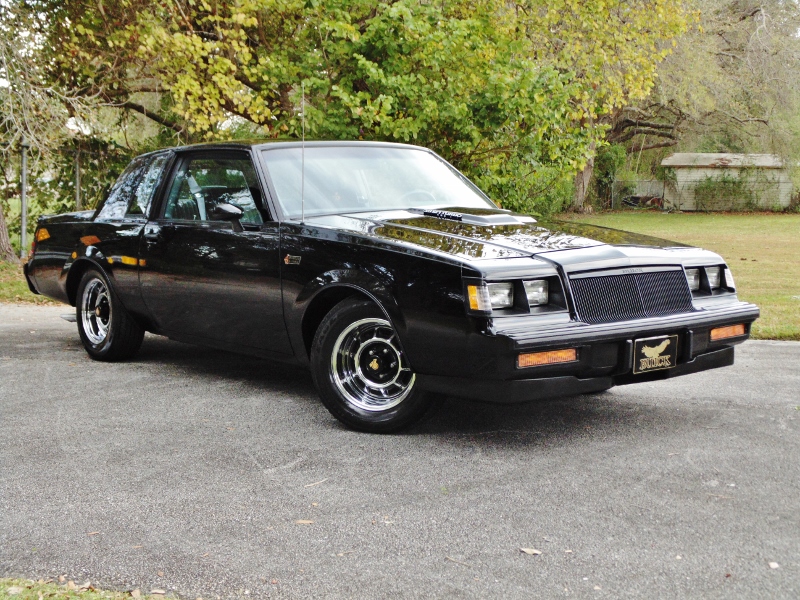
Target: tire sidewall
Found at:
x=403, y=414
x=102, y=350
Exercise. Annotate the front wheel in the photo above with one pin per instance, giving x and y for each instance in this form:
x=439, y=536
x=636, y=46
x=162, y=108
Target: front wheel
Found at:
x=107, y=331
x=361, y=372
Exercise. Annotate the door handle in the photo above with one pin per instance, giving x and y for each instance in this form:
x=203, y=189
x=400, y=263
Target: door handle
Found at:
x=158, y=233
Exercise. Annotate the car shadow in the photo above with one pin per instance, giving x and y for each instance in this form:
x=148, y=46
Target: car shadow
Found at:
x=451, y=419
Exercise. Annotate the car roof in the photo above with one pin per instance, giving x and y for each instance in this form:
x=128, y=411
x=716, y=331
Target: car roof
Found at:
x=288, y=143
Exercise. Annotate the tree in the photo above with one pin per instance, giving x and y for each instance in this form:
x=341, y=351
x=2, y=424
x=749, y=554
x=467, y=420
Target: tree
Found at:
x=506, y=92
x=731, y=85
x=613, y=47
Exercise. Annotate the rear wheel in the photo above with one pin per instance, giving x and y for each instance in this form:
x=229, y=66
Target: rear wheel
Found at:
x=361, y=372
x=107, y=331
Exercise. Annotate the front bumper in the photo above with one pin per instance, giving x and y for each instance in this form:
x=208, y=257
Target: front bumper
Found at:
x=526, y=390
x=605, y=355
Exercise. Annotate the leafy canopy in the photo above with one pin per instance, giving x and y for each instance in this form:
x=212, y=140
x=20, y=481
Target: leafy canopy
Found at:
x=510, y=93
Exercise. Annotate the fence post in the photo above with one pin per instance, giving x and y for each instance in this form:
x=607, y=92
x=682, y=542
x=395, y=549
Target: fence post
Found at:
x=78, y=179
x=23, y=233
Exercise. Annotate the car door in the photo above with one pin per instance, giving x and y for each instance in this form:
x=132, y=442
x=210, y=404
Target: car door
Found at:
x=202, y=280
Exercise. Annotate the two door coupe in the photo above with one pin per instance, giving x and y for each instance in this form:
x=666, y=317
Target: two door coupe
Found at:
x=384, y=270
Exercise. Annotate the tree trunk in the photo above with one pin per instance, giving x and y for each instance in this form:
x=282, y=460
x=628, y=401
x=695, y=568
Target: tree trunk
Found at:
x=582, y=179
x=6, y=251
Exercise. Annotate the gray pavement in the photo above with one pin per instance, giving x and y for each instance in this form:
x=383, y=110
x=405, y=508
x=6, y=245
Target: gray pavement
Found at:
x=193, y=471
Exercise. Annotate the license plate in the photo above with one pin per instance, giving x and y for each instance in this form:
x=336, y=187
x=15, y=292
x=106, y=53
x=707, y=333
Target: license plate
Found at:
x=655, y=353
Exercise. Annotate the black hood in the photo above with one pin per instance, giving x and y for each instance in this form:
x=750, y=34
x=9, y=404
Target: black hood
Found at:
x=481, y=234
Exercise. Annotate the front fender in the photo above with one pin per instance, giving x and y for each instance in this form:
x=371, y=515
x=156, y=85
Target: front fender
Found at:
x=319, y=295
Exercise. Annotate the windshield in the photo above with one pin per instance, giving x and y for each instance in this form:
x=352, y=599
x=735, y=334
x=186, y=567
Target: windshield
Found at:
x=340, y=179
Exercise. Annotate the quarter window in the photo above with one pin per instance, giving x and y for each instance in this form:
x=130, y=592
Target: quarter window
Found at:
x=148, y=184
x=116, y=204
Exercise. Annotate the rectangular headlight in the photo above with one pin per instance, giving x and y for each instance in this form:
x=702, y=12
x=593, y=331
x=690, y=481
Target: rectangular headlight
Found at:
x=501, y=295
x=536, y=291
x=714, y=275
x=693, y=276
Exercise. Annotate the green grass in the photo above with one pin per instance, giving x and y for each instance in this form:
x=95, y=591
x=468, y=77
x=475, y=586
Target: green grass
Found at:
x=24, y=589
x=13, y=287
x=760, y=248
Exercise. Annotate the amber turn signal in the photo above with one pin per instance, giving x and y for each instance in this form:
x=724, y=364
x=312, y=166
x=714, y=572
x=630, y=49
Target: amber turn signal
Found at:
x=90, y=240
x=721, y=333
x=552, y=357
x=42, y=235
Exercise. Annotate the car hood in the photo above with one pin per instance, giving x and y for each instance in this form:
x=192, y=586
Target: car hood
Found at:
x=484, y=234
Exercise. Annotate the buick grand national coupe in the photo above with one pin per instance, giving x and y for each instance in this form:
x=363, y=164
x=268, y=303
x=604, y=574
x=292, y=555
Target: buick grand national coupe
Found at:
x=385, y=271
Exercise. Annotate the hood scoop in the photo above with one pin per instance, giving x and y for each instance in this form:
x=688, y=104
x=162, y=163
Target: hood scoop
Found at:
x=501, y=217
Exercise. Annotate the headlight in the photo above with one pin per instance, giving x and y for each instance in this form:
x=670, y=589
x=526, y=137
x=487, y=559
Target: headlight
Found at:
x=714, y=275
x=693, y=276
x=501, y=295
x=536, y=291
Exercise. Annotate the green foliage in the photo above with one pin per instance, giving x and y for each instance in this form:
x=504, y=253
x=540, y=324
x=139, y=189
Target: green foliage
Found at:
x=607, y=162
x=508, y=93
x=725, y=192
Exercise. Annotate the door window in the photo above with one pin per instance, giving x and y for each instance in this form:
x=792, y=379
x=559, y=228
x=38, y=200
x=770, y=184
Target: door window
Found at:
x=202, y=183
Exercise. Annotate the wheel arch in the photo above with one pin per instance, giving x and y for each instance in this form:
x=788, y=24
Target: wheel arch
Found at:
x=76, y=272
x=325, y=297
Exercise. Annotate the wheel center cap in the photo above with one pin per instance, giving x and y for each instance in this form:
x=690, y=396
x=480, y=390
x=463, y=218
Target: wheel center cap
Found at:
x=375, y=365
x=98, y=312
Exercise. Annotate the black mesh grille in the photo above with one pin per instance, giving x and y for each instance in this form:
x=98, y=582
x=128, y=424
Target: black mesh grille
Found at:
x=610, y=298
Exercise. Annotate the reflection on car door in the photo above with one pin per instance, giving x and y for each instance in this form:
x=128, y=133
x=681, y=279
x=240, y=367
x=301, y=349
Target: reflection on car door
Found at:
x=201, y=280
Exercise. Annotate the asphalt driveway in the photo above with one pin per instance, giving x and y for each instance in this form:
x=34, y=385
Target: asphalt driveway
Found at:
x=209, y=474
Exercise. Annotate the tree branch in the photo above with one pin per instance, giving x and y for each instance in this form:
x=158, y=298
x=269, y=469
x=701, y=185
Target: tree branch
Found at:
x=151, y=115
x=634, y=149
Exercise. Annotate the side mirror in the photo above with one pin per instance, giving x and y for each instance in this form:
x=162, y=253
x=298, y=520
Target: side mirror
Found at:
x=228, y=212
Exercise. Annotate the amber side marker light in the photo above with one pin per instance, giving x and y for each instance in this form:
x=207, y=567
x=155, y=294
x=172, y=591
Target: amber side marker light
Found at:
x=42, y=235
x=90, y=240
x=552, y=357
x=721, y=333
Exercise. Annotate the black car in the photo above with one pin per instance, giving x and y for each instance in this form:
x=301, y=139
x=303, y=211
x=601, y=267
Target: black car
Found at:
x=387, y=272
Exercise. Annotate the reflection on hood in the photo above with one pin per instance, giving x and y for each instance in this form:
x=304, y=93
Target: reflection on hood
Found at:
x=477, y=241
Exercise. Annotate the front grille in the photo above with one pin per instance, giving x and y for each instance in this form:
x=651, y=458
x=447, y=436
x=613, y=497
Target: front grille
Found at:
x=622, y=297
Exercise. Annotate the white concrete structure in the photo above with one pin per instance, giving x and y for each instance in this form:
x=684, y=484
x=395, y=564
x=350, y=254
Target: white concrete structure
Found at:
x=727, y=182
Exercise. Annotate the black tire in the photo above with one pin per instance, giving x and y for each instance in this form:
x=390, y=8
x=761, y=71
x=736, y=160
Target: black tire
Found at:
x=361, y=372
x=107, y=331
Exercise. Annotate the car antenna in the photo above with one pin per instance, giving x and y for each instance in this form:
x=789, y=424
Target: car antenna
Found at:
x=303, y=153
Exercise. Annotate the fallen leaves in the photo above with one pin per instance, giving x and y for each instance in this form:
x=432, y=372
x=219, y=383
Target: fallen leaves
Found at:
x=532, y=551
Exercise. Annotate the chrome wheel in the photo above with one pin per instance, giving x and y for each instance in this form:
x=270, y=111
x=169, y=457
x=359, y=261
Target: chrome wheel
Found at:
x=368, y=366
x=95, y=311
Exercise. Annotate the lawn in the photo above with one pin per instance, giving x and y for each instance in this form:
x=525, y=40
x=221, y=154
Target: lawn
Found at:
x=761, y=250
x=24, y=589
x=13, y=287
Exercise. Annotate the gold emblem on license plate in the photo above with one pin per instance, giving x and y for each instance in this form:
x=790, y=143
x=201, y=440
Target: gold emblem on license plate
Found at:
x=652, y=354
